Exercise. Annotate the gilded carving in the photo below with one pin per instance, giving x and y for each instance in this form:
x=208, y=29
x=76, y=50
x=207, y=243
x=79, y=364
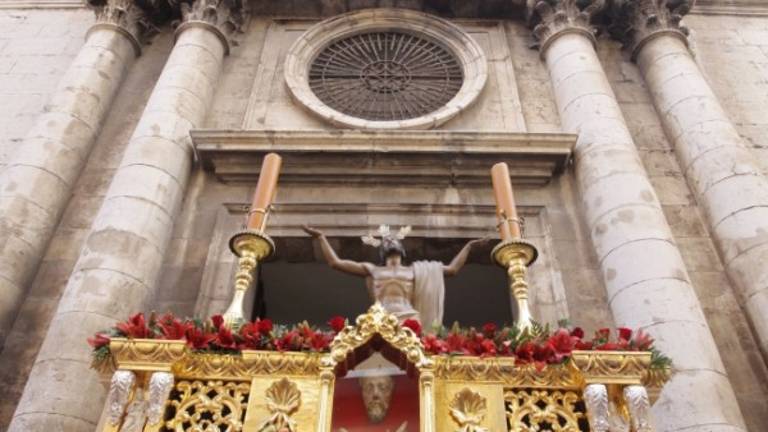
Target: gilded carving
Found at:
x=542, y=410
x=283, y=400
x=555, y=17
x=207, y=406
x=504, y=370
x=247, y=365
x=377, y=322
x=468, y=410
x=146, y=354
x=119, y=394
x=612, y=367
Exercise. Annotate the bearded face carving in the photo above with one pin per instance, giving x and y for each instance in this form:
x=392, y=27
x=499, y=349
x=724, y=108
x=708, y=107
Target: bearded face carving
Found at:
x=377, y=395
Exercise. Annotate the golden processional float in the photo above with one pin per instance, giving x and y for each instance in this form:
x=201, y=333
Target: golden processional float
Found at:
x=226, y=374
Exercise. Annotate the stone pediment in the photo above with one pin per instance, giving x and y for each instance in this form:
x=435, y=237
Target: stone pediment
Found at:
x=384, y=157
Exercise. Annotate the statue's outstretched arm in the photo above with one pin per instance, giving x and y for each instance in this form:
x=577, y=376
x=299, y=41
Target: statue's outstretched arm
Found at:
x=347, y=266
x=461, y=258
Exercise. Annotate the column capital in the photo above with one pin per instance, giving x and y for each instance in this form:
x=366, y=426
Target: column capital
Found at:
x=123, y=16
x=225, y=18
x=635, y=22
x=553, y=18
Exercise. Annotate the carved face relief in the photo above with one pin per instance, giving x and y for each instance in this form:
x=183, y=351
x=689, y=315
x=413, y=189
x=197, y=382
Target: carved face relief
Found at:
x=377, y=395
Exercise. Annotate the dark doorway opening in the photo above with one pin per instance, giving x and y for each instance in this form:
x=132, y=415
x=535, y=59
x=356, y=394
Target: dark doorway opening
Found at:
x=296, y=284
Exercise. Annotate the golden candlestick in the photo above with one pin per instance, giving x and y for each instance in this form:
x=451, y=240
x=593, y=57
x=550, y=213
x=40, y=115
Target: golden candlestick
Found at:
x=516, y=255
x=251, y=247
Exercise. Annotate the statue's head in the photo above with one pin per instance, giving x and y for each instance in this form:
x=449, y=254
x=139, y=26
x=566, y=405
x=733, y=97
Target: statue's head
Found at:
x=388, y=243
x=377, y=395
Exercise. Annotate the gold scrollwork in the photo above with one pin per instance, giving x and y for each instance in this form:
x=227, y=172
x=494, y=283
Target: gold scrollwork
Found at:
x=543, y=410
x=248, y=364
x=283, y=400
x=207, y=405
x=504, y=370
x=377, y=321
x=468, y=410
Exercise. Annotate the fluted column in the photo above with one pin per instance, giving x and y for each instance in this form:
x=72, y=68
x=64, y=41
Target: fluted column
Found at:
x=118, y=268
x=646, y=279
x=36, y=185
x=719, y=166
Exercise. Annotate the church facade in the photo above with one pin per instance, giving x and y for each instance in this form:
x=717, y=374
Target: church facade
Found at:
x=132, y=135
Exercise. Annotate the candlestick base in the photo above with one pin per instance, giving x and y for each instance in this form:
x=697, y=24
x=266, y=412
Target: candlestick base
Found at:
x=515, y=256
x=251, y=247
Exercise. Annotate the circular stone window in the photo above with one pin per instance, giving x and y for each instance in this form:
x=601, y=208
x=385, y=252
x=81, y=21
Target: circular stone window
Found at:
x=385, y=69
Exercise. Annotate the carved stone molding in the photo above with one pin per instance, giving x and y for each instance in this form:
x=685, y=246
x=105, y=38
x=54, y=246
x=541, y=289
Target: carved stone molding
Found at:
x=375, y=157
x=635, y=22
x=123, y=16
x=225, y=18
x=553, y=18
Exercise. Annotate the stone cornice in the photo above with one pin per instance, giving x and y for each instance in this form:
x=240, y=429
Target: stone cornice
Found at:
x=553, y=18
x=635, y=22
x=225, y=18
x=757, y=8
x=433, y=157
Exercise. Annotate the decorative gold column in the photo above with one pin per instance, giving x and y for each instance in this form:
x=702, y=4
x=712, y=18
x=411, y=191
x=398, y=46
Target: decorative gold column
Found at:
x=645, y=276
x=251, y=247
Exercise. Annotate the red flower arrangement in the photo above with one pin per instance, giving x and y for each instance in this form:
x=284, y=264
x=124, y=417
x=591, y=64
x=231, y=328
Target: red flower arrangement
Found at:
x=539, y=345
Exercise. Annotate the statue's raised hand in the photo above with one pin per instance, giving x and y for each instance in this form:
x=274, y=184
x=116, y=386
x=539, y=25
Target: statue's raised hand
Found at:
x=312, y=231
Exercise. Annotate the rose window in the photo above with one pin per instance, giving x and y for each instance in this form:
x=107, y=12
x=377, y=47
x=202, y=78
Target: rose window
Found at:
x=384, y=76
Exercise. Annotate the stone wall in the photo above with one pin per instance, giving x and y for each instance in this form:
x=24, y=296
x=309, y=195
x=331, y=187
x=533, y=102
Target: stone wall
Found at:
x=37, y=45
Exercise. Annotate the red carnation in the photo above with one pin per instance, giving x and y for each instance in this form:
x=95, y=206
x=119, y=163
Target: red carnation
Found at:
x=489, y=329
x=265, y=326
x=198, y=339
x=337, y=323
x=524, y=352
x=225, y=339
x=562, y=343
x=217, y=321
x=98, y=340
x=488, y=348
x=577, y=332
x=643, y=341
x=625, y=333
x=433, y=345
x=413, y=325
x=135, y=327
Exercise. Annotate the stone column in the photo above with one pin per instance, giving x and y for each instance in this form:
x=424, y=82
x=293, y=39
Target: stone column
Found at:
x=644, y=274
x=718, y=165
x=36, y=185
x=118, y=268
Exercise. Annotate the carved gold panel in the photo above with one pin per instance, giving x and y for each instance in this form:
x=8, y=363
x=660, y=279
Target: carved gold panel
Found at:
x=454, y=396
x=285, y=403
